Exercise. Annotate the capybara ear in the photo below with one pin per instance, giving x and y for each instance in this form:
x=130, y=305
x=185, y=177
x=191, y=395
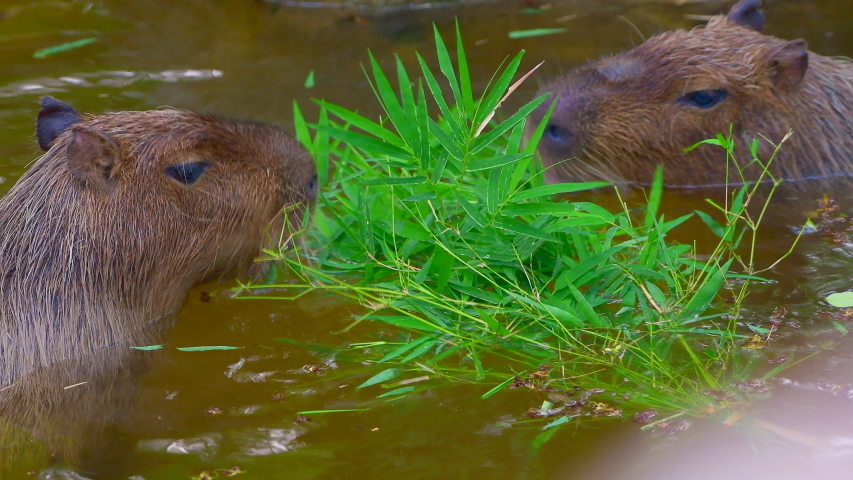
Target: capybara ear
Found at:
x=746, y=14
x=54, y=118
x=788, y=63
x=92, y=157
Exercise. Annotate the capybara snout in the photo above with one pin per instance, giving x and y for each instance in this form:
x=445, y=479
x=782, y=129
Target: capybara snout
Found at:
x=617, y=118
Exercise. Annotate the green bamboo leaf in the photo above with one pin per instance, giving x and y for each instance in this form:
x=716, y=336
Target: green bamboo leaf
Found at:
x=438, y=96
x=558, y=188
x=421, y=277
x=440, y=165
x=405, y=322
x=495, y=161
x=420, y=350
x=464, y=76
x=472, y=211
x=406, y=94
x=533, y=141
x=703, y=297
x=710, y=141
x=309, y=81
x=445, y=140
x=148, y=347
x=207, y=348
x=572, y=224
x=493, y=324
x=446, y=66
x=44, y=52
x=395, y=181
x=422, y=119
x=476, y=293
x=397, y=391
x=655, y=292
x=841, y=299
x=390, y=102
x=363, y=123
x=404, y=348
x=589, y=314
x=518, y=117
x=543, y=438
x=339, y=410
x=412, y=229
x=370, y=144
x=557, y=422
x=497, y=388
x=445, y=263
x=715, y=227
x=301, y=128
x=536, y=32
x=550, y=208
x=654, y=197
x=564, y=316
x=420, y=197
x=511, y=225
x=380, y=377
x=494, y=96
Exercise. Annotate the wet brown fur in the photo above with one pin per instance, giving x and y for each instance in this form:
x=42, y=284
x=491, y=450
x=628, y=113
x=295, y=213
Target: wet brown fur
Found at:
x=89, y=269
x=625, y=118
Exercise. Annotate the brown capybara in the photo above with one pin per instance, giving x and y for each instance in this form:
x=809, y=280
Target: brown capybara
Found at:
x=618, y=118
x=103, y=236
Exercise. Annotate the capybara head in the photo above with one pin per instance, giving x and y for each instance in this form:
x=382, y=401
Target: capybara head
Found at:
x=618, y=118
x=102, y=238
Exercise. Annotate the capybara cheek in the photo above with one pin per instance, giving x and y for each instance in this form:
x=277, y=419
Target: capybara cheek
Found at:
x=552, y=176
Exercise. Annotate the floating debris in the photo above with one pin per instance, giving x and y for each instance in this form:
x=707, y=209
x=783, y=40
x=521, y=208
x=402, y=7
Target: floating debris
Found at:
x=44, y=52
x=645, y=417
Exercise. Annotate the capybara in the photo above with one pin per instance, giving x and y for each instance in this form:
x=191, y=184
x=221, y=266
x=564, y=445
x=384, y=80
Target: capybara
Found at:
x=616, y=119
x=101, y=239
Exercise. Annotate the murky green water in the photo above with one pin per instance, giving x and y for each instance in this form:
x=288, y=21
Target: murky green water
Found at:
x=197, y=411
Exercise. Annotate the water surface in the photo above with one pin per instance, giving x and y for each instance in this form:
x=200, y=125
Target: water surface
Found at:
x=198, y=411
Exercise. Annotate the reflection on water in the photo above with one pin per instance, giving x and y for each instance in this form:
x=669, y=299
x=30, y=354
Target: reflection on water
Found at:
x=118, y=79
x=173, y=414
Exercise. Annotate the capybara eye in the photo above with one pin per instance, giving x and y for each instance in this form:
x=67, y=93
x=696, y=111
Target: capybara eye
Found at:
x=312, y=187
x=557, y=133
x=187, y=173
x=704, y=98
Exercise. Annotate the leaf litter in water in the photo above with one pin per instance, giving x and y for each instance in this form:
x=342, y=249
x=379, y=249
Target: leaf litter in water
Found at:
x=44, y=52
x=536, y=32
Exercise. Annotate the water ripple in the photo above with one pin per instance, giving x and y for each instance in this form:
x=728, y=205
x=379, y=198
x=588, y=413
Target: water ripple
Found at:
x=114, y=79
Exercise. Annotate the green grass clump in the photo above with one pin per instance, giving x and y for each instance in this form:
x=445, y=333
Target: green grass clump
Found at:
x=441, y=225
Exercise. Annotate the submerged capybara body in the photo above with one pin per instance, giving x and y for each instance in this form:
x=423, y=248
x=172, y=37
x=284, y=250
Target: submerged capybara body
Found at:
x=618, y=118
x=102, y=238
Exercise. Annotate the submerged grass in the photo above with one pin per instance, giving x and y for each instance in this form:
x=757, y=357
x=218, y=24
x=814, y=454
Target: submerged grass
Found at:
x=441, y=226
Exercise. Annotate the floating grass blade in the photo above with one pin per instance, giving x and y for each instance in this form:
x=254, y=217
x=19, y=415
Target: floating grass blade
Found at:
x=45, y=52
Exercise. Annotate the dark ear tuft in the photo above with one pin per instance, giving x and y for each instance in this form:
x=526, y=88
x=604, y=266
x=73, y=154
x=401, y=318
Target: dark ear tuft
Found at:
x=788, y=63
x=92, y=156
x=746, y=13
x=54, y=118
